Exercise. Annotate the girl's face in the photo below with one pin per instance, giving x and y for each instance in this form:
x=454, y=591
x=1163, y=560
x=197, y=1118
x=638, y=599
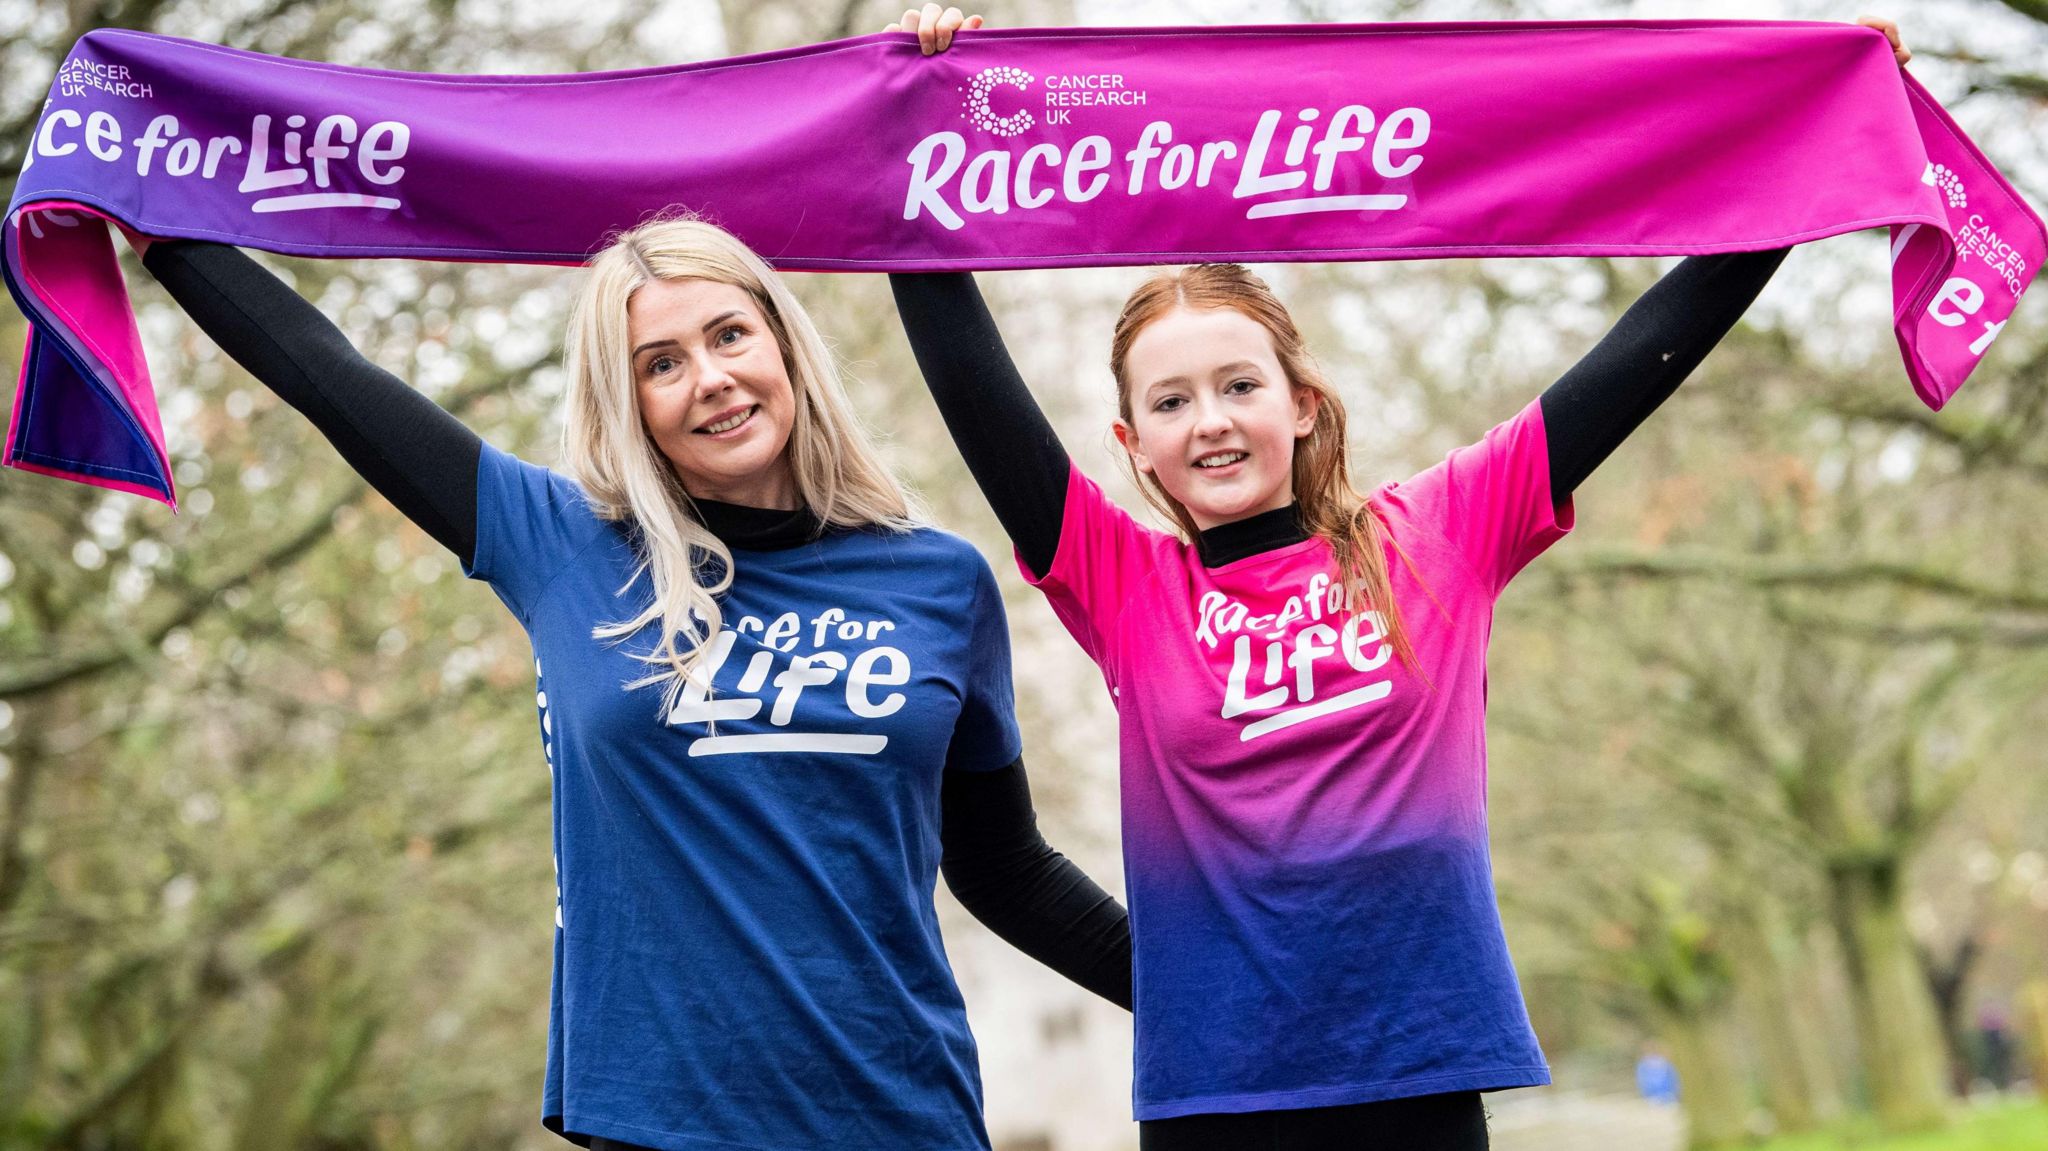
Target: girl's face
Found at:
x=713, y=392
x=1213, y=417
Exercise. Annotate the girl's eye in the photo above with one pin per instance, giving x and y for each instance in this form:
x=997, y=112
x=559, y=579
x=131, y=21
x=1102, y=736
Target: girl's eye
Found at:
x=1240, y=387
x=1169, y=404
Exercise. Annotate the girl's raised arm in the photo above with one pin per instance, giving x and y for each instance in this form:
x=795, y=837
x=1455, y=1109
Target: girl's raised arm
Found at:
x=1655, y=345
x=1593, y=407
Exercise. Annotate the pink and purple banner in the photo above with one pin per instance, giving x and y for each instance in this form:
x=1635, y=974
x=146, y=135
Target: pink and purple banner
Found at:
x=1017, y=148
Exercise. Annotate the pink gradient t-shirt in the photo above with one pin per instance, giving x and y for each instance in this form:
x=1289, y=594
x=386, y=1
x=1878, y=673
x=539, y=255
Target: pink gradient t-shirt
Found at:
x=1304, y=818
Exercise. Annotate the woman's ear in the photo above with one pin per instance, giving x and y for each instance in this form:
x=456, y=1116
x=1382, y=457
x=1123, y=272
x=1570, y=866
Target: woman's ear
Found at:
x=1128, y=437
x=1307, y=404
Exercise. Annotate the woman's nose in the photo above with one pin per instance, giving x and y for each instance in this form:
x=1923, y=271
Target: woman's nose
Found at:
x=712, y=378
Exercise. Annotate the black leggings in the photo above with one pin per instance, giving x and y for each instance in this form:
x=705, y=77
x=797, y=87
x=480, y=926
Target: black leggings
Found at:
x=1424, y=1123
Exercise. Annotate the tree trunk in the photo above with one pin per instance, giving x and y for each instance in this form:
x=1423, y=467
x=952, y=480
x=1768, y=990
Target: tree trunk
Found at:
x=1903, y=1055
x=2033, y=1035
x=1710, y=1079
x=25, y=1024
x=1797, y=1089
x=1947, y=982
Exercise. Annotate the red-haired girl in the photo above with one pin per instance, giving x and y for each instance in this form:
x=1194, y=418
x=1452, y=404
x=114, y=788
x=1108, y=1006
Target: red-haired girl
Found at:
x=1300, y=681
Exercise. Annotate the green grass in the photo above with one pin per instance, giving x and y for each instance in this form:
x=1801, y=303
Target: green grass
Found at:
x=2005, y=1127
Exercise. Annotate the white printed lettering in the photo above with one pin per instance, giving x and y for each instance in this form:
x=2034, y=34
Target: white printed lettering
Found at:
x=1235, y=701
x=258, y=175
x=925, y=185
x=1404, y=131
x=864, y=676
x=1026, y=197
x=781, y=634
x=1964, y=294
x=1090, y=155
x=803, y=671
x=154, y=138
x=103, y=136
x=45, y=141
x=396, y=138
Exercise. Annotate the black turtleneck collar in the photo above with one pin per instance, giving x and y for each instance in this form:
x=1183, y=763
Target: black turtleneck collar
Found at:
x=772, y=529
x=759, y=529
x=1228, y=543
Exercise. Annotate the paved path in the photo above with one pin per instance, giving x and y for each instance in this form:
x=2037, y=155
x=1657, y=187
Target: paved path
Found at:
x=1551, y=1120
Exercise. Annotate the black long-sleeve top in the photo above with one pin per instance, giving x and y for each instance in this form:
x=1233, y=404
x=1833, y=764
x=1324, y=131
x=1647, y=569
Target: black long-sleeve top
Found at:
x=424, y=461
x=1022, y=468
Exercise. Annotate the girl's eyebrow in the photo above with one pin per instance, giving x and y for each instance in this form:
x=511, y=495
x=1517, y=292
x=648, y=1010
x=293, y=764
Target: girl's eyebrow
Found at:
x=1237, y=367
x=1157, y=386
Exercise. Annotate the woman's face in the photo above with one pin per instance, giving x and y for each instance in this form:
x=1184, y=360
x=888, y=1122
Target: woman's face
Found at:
x=1213, y=417
x=713, y=392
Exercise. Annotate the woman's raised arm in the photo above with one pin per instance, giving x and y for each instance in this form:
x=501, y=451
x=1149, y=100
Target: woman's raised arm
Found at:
x=1006, y=440
x=421, y=458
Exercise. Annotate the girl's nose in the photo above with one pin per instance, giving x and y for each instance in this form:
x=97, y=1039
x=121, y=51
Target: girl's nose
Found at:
x=1211, y=421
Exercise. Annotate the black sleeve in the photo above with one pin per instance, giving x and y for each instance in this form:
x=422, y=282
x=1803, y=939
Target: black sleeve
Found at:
x=421, y=458
x=1001, y=433
x=1003, y=871
x=1662, y=337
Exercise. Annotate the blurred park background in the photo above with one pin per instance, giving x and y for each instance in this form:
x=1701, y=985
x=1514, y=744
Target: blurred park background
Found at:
x=1769, y=734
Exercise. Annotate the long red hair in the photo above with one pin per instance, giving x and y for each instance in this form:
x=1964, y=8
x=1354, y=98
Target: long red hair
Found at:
x=1324, y=498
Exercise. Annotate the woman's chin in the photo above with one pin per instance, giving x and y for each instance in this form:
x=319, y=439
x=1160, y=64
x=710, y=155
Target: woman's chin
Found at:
x=742, y=477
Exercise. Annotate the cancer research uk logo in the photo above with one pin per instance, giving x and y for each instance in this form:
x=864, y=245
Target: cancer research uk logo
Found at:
x=286, y=161
x=1292, y=162
x=1943, y=177
x=81, y=74
x=1962, y=297
x=1015, y=124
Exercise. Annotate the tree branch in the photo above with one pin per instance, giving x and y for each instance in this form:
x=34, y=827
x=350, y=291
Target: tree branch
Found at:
x=134, y=643
x=216, y=986
x=2036, y=10
x=1774, y=572
x=48, y=675
x=1998, y=441
x=1965, y=632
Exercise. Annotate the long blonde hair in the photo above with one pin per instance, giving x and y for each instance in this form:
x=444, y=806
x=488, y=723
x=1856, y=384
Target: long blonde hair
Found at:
x=607, y=450
x=1325, y=501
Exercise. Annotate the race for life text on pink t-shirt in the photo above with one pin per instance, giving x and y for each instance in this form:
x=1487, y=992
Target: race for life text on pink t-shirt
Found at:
x=1311, y=899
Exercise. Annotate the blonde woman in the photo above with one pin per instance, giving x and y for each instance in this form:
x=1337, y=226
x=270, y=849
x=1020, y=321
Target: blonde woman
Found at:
x=770, y=698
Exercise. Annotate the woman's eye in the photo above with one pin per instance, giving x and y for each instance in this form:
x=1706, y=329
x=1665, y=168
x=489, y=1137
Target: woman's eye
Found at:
x=660, y=365
x=730, y=335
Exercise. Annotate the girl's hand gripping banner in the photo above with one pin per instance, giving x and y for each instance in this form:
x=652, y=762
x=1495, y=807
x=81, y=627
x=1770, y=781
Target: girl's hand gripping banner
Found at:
x=1016, y=149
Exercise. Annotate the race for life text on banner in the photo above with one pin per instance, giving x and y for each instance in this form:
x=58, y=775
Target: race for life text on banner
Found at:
x=1017, y=148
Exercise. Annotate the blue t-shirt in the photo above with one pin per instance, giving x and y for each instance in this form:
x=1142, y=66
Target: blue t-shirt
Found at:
x=746, y=951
